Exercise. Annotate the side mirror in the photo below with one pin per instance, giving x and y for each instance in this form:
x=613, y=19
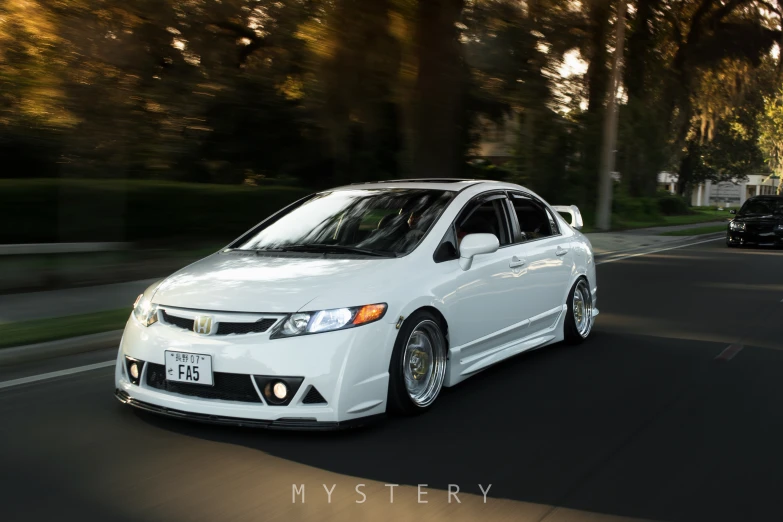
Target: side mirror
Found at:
x=576, y=217
x=732, y=211
x=475, y=244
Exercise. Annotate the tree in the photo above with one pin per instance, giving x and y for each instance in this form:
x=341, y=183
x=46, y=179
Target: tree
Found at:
x=770, y=137
x=439, y=97
x=336, y=91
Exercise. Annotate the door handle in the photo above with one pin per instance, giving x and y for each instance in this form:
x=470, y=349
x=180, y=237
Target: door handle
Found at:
x=561, y=251
x=516, y=262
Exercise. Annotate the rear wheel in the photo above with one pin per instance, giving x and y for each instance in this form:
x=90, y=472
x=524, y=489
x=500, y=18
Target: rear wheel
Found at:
x=418, y=364
x=579, y=318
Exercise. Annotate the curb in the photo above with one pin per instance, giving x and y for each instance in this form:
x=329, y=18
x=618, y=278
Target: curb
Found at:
x=70, y=346
x=60, y=248
x=88, y=343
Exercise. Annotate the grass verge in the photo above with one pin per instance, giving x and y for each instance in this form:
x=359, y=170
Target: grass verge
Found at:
x=698, y=216
x=42, y=330
x=696, y=231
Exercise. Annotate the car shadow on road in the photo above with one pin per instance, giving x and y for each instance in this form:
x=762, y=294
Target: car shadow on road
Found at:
x=625, y=424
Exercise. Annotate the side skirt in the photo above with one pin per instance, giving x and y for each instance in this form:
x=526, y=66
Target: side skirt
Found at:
x=461, y=369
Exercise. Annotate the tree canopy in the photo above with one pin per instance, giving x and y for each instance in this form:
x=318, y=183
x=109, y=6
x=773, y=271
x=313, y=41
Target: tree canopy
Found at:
x=334, y=91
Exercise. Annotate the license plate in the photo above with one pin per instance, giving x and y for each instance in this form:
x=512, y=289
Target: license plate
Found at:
x=194, y=368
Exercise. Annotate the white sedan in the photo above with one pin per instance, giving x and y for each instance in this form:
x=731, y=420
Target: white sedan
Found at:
x=359, y=300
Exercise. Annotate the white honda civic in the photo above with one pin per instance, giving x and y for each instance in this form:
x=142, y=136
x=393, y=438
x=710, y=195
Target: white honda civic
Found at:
x=359, y=300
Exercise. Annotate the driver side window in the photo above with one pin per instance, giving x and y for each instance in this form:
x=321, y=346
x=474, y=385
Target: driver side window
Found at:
x=484, y=217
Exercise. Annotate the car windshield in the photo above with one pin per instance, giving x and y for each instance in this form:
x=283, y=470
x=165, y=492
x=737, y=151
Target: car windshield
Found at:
x=758, y=206
x=386, y=222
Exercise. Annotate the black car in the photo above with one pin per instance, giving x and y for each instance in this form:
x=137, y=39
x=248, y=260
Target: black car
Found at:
x=758, y=222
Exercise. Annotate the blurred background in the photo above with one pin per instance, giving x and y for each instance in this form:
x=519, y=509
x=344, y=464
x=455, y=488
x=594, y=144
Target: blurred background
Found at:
x=152, y=132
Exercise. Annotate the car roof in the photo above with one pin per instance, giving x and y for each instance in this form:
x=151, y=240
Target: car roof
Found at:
x=448, y=184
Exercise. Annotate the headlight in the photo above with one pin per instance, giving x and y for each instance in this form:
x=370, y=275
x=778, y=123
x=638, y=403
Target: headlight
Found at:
x=779, y=227
x=303, y=323
x=144, y=311
x=736, y=225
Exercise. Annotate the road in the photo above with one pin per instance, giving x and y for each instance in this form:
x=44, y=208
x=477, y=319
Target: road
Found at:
x=671, y=412
x=73, y=301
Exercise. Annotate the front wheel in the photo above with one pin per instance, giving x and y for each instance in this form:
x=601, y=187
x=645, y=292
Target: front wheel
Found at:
x=418, y=364
x=579, y=318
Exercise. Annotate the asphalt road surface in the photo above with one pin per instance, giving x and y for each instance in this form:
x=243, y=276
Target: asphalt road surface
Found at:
x=671, y=412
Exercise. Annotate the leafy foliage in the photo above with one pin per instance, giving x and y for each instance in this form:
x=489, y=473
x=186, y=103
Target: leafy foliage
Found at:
x=770, y=136
x=332, y=91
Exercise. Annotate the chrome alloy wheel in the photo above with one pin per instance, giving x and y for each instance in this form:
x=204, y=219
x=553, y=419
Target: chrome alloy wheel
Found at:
x=424, y=363
x=583, y=309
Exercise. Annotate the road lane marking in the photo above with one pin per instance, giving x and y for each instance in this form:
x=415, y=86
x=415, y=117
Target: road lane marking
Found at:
x=729, y=352
x=621, y=257
x=53, y=375
x=106, y=364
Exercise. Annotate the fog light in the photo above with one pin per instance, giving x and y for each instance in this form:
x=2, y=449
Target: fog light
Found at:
x=133, y=369
x=280, y=390
x=276, y=389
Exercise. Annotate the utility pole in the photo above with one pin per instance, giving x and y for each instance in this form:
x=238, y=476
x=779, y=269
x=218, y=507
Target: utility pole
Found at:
x=609, y=144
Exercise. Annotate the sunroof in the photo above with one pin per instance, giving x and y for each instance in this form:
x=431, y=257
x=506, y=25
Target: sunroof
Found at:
x=420, y=180
x=436, y=180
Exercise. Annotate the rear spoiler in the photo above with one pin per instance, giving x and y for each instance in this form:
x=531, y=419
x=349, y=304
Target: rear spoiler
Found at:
x=573, y=211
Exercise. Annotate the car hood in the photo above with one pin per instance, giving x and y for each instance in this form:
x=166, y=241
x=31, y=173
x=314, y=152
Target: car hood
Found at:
x=240, y=282
x=763, y=219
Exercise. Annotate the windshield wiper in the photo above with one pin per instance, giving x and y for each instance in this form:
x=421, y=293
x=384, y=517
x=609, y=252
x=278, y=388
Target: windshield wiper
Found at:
x=267, y=249
x=338, y=249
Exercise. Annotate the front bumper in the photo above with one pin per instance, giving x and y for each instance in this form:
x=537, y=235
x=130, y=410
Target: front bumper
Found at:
x=348, y=368
x=279, y=424
x=736, y=237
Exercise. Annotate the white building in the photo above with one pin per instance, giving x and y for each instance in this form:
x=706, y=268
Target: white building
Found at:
x=725, y=193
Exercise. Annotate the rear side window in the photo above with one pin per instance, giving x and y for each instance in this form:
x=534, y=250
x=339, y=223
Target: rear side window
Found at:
x=553, y=223
x=535, y=221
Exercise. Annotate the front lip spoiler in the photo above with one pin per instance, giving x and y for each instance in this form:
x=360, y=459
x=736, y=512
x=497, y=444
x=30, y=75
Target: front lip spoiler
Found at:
x=279, y=424
x=740, y=237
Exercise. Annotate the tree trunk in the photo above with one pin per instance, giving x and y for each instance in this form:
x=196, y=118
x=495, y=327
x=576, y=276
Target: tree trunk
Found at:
x=686, y=172
x=362, y=118
x=643, y=142
x=639, y=46
x=439, y=91
x=597, y=79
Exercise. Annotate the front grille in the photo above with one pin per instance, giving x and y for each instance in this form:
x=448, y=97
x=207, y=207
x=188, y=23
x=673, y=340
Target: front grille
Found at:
x=759, y=228
x=260, y=326
x=180, y=322
x=227, y=387
x=313, y=397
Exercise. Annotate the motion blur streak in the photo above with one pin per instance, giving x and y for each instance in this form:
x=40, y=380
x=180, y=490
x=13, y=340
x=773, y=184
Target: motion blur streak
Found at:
x=54, y=375
x=631, y=424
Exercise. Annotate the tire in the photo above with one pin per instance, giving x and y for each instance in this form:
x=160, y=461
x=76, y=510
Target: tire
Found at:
x=418, y=364
x=579, y=325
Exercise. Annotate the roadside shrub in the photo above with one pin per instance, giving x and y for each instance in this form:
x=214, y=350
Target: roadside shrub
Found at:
x=65, y=210
x=672, y=204
x=635, y=209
